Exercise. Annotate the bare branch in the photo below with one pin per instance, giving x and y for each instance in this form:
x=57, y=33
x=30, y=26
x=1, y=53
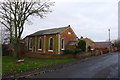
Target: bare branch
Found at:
x=15, y=14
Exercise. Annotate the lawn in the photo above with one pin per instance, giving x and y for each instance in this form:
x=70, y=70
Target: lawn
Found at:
x=9, y=64
x=0, y=66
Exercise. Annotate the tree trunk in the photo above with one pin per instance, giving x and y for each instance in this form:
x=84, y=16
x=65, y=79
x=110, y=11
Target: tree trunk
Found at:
x=11, y=37
x=16, y=47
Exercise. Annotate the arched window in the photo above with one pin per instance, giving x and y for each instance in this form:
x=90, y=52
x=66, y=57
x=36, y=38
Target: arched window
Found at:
x=51, y=44
x=62, y=43
x=40, y=44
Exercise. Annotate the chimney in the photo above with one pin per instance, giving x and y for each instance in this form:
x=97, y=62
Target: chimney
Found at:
x=81, y=37
x=68, y=25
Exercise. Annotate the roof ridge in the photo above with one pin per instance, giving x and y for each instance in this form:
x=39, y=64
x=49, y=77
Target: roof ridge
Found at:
x=49, y=31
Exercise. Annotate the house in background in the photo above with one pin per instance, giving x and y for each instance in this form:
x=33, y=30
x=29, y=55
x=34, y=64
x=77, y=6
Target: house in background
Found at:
x=103, y=45
x=51, y=41
x=89, y=43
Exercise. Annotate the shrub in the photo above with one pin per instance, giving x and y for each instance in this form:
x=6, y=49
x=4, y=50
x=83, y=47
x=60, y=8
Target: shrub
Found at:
x=82, y=45
x=68, y=51
x=89, y=48
x=73, y=52
x=107, y=51
x=5, y=51
x=78, y=50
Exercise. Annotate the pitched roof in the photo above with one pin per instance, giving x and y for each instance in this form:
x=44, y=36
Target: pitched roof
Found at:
x=102, y=43
x=87, y=39
x=49, y=31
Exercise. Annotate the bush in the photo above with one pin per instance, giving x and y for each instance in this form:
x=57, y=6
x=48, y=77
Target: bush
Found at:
x=5, y=51
x=68, y=51
x=82, y=45
x=78, y=50
x=73, y=52
x=107, y=51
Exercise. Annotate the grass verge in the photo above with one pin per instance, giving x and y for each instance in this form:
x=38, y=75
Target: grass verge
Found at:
x=9, y=65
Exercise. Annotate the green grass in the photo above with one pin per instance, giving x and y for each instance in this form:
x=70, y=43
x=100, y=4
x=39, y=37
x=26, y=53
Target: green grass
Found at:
x=0, y=65
x=9, y=64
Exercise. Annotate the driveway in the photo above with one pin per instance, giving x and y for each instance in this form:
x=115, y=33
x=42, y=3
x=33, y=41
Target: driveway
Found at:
x=104, y=66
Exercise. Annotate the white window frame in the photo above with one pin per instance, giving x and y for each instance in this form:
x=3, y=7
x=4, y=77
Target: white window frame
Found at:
x=39, y=43
x=29, y=44
x=50, y=50
x=49, y=44
x=63, y=44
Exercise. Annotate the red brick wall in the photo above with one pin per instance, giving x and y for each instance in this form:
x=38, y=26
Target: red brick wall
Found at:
x=46, y=45
x=67, y=37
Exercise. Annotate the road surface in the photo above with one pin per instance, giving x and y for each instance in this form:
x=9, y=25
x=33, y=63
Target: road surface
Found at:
x=104, y=66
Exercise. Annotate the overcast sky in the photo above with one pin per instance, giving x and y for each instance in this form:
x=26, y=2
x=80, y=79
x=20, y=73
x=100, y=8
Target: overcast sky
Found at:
x=88, y=18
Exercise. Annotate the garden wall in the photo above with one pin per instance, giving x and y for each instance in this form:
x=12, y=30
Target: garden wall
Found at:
x=48, y=56
x=55, y=56
x=88, y=54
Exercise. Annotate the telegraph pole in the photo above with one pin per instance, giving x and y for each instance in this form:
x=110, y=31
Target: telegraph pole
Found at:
x=109, y=39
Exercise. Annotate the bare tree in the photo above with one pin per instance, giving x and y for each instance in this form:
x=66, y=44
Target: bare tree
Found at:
x=14, y=14
x=4, y=35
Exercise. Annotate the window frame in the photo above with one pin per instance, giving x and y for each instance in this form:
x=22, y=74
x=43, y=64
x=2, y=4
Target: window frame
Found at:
x=69, y=33
x=50, y=45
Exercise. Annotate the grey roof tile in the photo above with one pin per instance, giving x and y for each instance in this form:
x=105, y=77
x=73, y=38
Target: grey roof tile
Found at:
x=49, y=31
x=102, y=43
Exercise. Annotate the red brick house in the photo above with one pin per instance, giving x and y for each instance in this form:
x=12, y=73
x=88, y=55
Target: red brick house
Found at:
x=103, y=45
x=89, y=43
x=51, y=41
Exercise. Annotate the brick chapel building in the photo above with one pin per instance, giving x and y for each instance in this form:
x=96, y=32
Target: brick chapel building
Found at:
x=50, y=41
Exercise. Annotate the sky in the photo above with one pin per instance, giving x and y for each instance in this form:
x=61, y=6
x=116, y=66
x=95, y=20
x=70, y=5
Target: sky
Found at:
x=87, y=18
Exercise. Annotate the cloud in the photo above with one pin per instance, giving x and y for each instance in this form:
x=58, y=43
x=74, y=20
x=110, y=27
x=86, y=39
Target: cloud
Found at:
x=87, y=1
x=88, y=18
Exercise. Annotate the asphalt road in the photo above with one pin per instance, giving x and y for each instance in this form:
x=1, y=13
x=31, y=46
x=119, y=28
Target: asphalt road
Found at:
x=104, y=66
